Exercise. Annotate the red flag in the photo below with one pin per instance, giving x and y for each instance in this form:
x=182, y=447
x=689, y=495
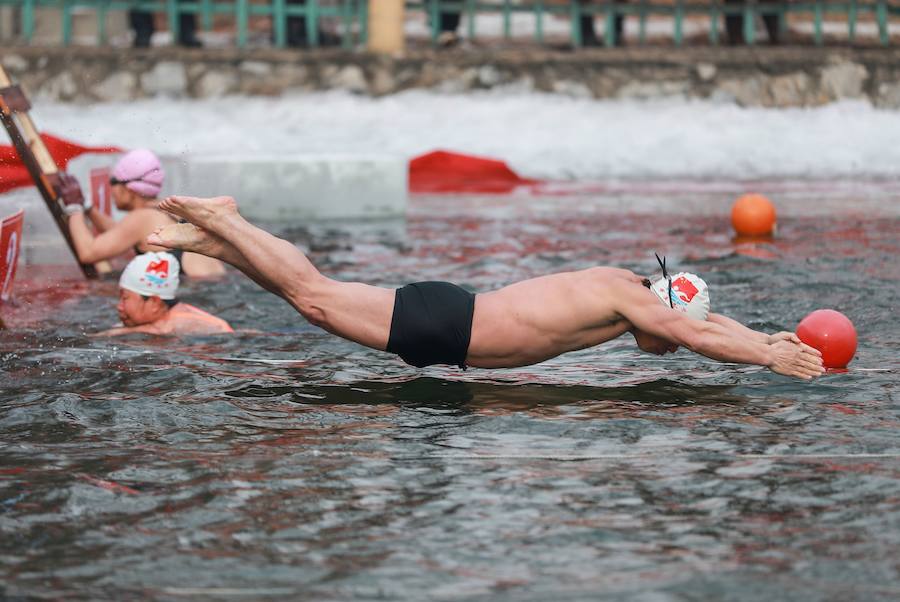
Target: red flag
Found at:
x=447, y=172
x=13, y=173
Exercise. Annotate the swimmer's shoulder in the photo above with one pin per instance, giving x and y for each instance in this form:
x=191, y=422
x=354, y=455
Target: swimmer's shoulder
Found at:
x=612, y=278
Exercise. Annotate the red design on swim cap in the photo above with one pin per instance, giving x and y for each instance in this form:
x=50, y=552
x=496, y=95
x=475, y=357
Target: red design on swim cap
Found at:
x=159, y=268
x=684, y=289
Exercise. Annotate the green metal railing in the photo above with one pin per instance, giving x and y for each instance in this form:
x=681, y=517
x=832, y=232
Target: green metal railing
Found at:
x=353, y=15
x=677, y=10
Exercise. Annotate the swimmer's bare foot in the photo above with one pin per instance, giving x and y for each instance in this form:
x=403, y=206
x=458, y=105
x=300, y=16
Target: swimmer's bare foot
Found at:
x=205, y=213
x=187, y=237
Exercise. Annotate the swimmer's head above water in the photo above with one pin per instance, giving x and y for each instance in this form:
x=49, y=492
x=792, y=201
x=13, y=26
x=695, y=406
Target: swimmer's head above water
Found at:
x=684, y=292
x=147, y=288
x=138, y=173
x=148, y=305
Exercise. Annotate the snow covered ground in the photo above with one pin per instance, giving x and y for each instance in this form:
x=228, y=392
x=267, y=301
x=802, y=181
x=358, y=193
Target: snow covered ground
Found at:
x=541, y=135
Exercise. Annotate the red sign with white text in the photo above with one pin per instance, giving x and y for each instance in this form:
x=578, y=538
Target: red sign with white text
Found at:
x=101, y=190
x=10, y=244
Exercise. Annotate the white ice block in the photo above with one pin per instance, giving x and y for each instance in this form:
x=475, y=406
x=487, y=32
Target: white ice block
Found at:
x=283, y=188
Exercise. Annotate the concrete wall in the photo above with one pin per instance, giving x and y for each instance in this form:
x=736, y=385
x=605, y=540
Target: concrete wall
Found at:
x=770, y=76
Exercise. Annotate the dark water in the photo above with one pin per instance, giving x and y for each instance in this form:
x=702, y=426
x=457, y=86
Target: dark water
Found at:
x=149, y=468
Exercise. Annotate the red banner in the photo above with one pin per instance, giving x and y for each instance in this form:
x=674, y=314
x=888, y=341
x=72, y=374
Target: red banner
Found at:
x=13, y=173
x=101, y=190
x=454, y=173
x=10, y=245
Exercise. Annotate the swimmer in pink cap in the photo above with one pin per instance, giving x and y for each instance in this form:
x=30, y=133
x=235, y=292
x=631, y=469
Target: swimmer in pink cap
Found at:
x=524, y=323
x=148, y=303
x=136, y=180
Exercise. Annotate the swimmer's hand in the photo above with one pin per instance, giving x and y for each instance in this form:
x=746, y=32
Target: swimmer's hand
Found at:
x=793, y=338
x=792, y=358
x=783, y=336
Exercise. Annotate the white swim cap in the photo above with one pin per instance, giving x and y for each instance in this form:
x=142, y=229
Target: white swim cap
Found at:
x=152, y=275
x=690, y=294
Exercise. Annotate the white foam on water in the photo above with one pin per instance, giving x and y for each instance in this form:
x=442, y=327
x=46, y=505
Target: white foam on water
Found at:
x=541, y=135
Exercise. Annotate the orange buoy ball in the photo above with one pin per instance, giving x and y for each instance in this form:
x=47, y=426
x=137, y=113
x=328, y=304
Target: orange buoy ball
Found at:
x=832, y=333
x=753, y=215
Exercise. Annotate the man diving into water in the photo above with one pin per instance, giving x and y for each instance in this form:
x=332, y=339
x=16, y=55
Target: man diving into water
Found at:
x=524, y=323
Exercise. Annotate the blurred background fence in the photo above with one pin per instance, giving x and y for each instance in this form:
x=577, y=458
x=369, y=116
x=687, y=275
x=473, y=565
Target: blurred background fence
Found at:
x=576, y=23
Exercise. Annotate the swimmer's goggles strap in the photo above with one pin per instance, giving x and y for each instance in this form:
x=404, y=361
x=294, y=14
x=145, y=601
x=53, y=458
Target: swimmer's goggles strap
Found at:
x=114, y=180
x=662, y=264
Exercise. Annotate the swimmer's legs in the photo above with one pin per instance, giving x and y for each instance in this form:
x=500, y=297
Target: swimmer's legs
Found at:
x=355, y=311
x=275, y=260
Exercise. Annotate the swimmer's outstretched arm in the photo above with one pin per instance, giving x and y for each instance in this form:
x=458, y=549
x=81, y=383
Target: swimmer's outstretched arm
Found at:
x=738, y=329
x=716, y=341
x=754, y=335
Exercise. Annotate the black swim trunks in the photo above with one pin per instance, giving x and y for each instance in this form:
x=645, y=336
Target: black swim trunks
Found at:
x=432, y=324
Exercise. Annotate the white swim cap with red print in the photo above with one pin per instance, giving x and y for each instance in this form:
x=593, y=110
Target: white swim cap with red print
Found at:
x=152, y=275
x=690, y=294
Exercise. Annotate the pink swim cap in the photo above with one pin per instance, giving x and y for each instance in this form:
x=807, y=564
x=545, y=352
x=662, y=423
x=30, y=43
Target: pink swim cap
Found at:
x=140, y=171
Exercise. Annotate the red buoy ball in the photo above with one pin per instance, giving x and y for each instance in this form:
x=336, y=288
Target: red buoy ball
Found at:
x=832, y=333
x=753, y=215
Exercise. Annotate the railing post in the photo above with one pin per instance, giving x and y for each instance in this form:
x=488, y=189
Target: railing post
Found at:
x=363, y=22
x=434, y=18
x=782, y=19
x=206, y=11
x=279, y=23
x=539, y=21
x=609, y=22
x=174, y=24
x=28, y=20
x=714, y=23
x=471, y=13
x=101, y=22
x=642, y=23
x=386, y=33
x=817, y=22
x=312, y=22
x=575, y=12
x=851, y=21
x=243, y=14
x=66, y=23
x=679, y=22
x=882, y=17
x=507, y=20
x=348, y=11
x=750, y=22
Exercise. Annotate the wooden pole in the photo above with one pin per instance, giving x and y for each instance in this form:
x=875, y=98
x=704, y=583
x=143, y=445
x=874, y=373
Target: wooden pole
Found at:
x=41, y=166
x=386, y=18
